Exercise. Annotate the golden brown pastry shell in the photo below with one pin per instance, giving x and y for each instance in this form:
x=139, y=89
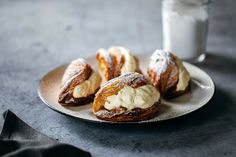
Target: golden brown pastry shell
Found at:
x=111, y=63
x=166, y=82
x=75, y=74
x=124, y=115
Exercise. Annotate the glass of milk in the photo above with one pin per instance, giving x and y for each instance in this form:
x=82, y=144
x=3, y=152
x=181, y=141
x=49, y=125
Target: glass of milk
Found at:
x=185, y=27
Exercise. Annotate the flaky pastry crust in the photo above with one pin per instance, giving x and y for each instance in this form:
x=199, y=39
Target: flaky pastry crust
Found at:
x=77, y=72
x=166, y=80
x=112, y=87
x=111, y=61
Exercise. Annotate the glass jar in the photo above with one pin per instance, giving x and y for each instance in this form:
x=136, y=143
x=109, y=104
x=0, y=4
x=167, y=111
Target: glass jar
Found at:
x=185, y=28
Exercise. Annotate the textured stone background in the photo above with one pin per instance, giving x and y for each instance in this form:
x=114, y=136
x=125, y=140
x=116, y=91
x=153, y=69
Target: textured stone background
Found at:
x=37, y=36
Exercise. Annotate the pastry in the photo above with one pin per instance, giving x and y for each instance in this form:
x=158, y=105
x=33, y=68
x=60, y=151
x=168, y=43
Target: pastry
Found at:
x=129, y=97
x=168, y=74
x=116, y=61
x=79, y=83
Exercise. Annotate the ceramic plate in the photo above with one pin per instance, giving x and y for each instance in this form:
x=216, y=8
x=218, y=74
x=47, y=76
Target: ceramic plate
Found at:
x=201, y=91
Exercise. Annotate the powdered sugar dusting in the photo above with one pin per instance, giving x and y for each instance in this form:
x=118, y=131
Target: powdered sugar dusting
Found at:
x=106, y=55
x=79, y=61
x=159, y=61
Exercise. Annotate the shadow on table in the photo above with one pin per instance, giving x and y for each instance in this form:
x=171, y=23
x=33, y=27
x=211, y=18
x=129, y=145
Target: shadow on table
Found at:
x=219, y=63
x=201, y=127
x=219, y=106
x=212, y=122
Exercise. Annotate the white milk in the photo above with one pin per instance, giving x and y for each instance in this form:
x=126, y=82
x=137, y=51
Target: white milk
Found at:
x=185, y=25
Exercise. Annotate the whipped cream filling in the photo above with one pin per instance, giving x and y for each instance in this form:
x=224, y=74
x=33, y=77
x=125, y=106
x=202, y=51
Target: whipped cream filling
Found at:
x=130, y=98
x=87, y=87
x=184, y=76
x=130, y=63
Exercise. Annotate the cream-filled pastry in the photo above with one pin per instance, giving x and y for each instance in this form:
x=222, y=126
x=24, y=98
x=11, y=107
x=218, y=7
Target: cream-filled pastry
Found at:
x=168, y=74
x=116, y=61
x=79, y=83
x=129, y=97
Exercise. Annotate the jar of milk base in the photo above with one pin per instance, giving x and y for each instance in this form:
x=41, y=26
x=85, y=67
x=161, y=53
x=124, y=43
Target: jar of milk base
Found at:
x=185, y=27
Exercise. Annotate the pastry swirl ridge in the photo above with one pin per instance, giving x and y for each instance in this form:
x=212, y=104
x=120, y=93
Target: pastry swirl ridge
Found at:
x=116, y=61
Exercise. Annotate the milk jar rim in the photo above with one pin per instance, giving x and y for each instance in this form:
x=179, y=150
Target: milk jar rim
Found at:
x=191, y=2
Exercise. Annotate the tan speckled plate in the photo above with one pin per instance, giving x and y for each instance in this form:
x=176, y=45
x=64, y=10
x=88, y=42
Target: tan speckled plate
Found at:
x=201, y=91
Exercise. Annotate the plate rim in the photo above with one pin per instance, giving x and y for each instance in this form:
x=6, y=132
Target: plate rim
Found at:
x=110, y=122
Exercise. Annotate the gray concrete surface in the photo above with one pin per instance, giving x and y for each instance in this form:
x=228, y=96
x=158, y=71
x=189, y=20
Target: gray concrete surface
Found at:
x=37, y=36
